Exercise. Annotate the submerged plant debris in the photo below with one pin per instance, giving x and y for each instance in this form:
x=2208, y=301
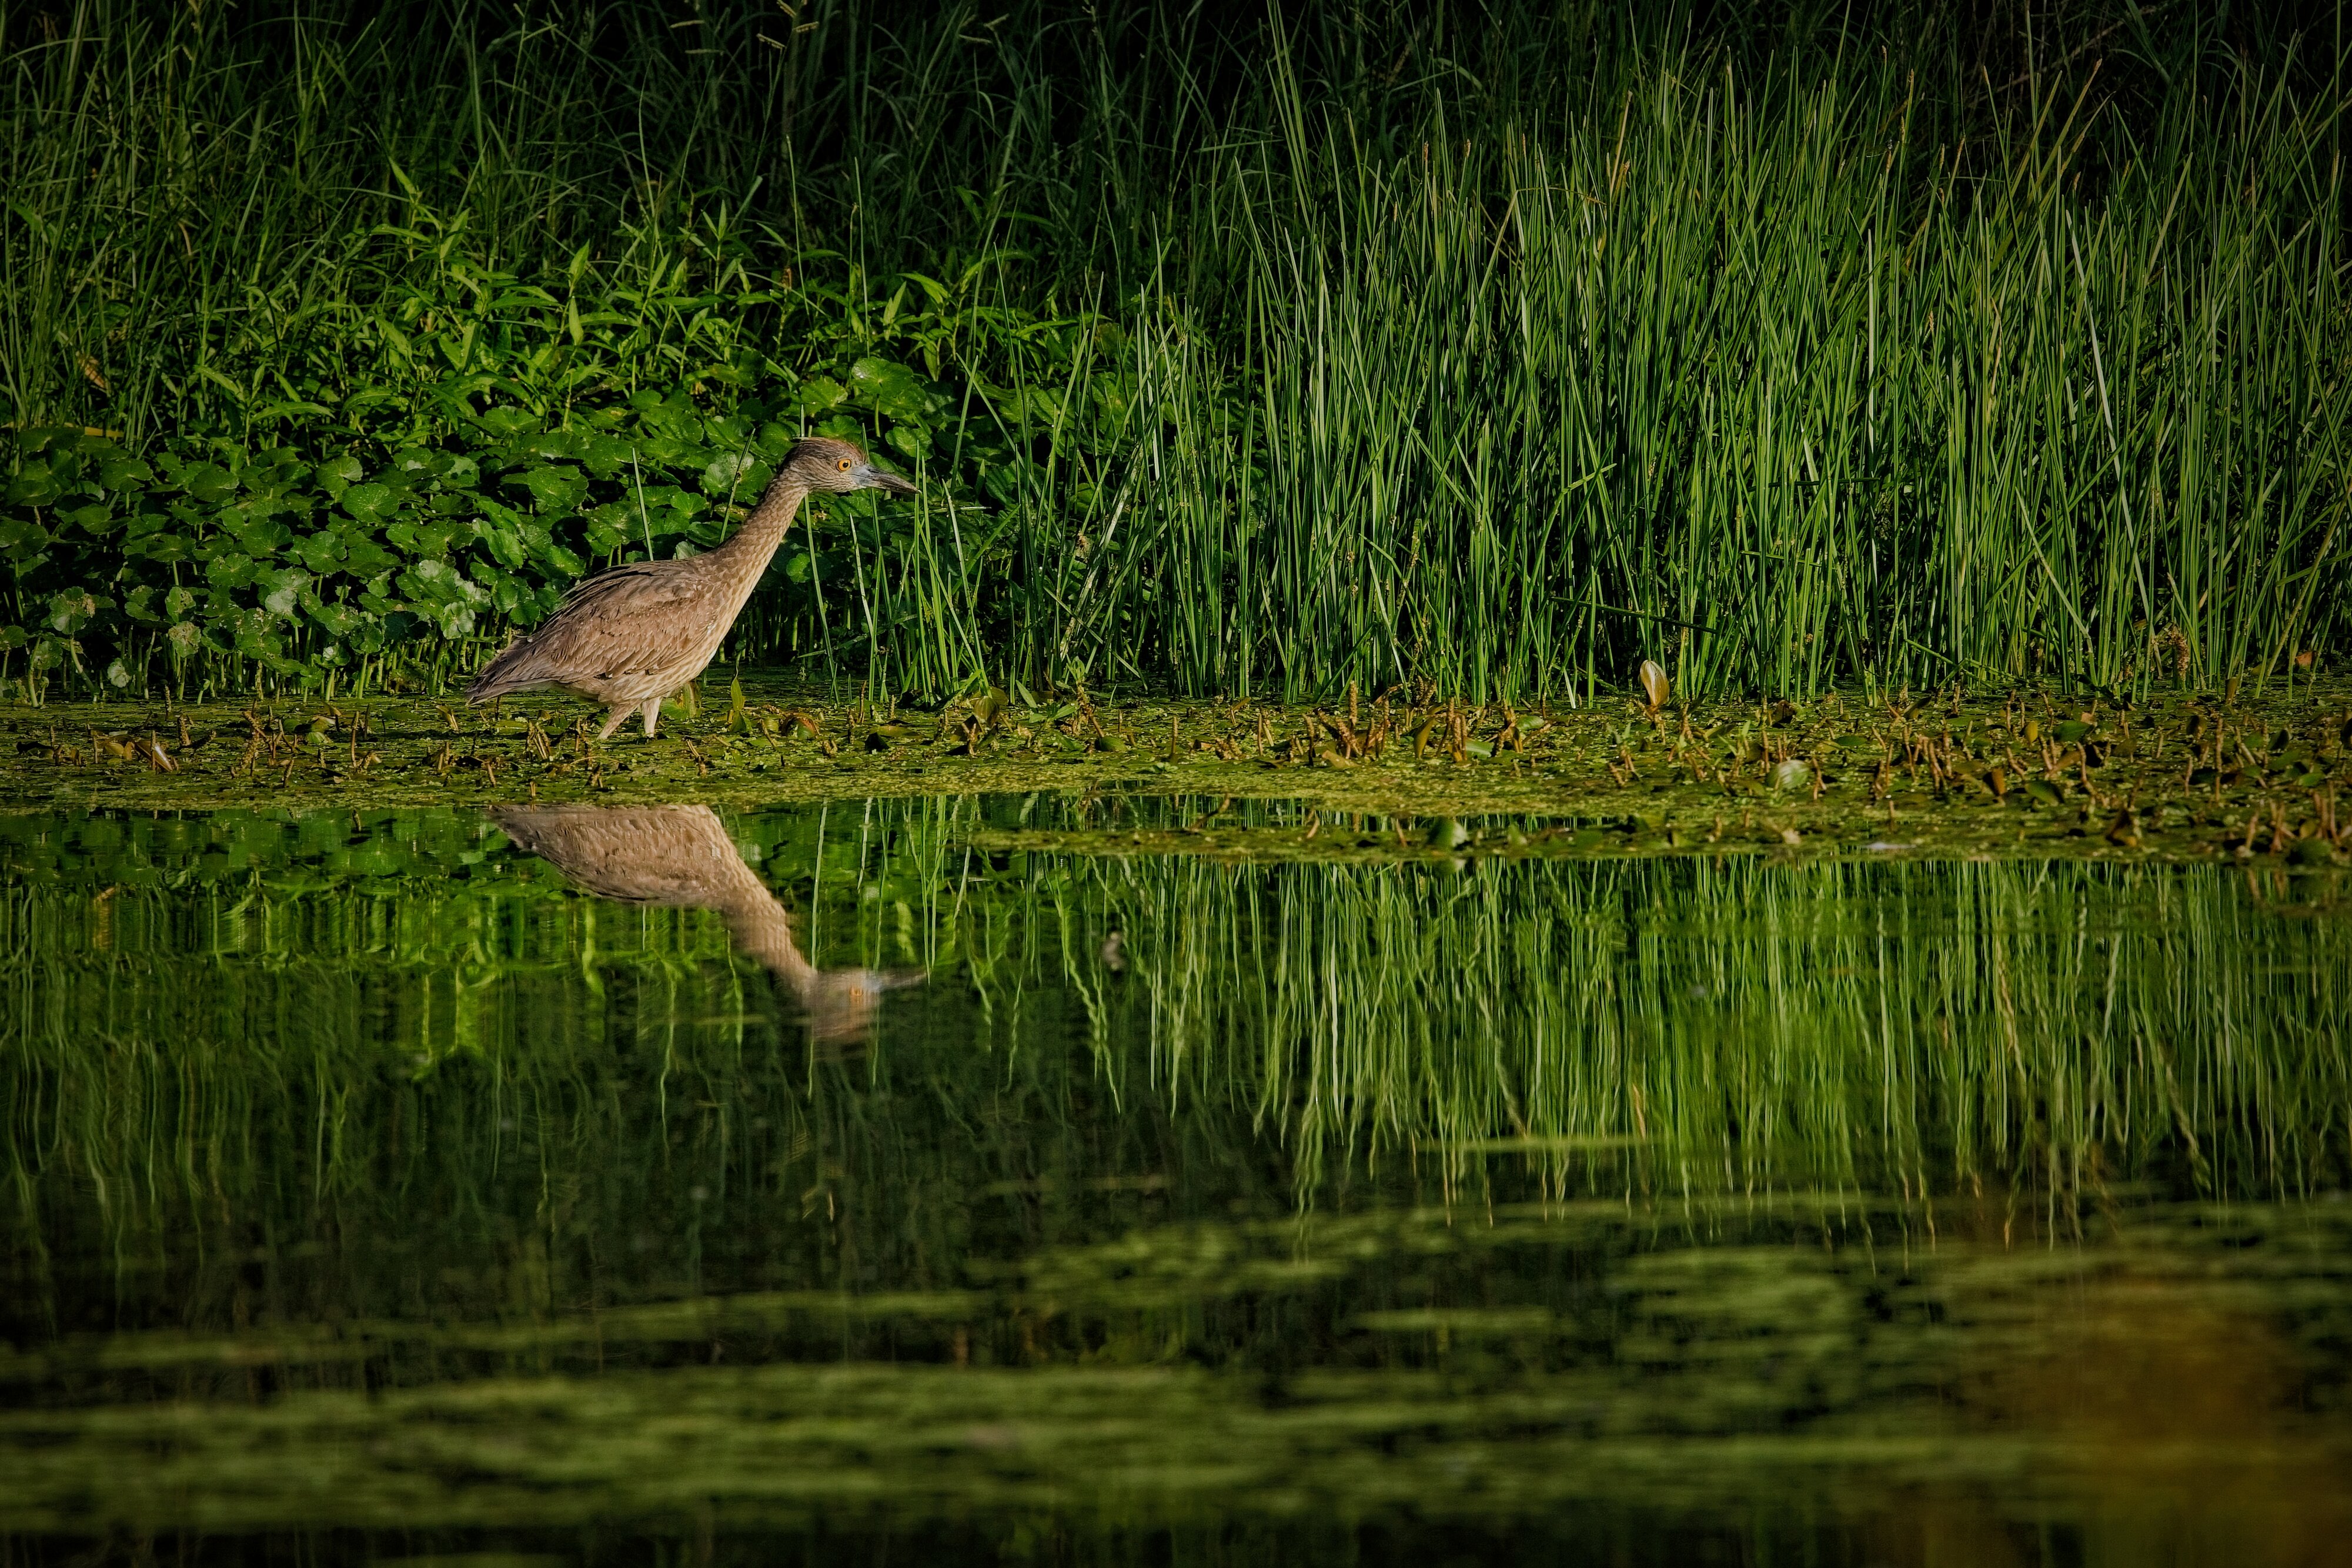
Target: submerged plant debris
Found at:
x=2026, y=773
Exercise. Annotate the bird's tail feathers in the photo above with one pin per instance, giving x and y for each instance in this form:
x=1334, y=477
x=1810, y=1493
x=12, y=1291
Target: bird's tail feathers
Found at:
x=511, y=671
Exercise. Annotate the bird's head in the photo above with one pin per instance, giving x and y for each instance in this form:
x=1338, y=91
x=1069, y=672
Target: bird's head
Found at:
x=822, y=462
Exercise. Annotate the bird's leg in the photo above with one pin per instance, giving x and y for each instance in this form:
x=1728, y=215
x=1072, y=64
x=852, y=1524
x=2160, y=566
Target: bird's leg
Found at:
x=615, y=719
x=653, y=715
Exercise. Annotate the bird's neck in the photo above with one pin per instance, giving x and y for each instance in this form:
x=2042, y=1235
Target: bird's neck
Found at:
x=762, y=932
x=761, y=532
x=762, y=928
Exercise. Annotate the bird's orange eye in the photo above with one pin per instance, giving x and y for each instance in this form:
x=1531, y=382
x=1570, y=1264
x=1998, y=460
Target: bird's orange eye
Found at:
x=845, y=465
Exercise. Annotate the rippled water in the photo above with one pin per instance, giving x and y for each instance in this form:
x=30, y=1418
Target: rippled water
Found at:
x=606, y=1187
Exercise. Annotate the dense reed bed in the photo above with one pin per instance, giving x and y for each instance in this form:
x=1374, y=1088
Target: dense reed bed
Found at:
x=1483, y=353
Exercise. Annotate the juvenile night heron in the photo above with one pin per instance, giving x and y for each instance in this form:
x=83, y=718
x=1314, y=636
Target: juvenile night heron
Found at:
x=680, y=857
x=629, y=637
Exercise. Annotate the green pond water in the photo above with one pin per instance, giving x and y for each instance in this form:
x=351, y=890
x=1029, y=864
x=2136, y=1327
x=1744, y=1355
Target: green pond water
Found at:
x=582, y=1185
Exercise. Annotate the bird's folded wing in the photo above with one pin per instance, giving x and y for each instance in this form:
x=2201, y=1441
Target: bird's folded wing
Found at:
x=648, y=586
x=623, y=622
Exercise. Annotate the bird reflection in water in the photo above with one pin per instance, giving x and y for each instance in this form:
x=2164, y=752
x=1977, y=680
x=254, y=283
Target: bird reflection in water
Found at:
x=680, y=857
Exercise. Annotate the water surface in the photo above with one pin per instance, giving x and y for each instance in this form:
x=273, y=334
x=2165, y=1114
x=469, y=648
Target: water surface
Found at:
x=582, y=1186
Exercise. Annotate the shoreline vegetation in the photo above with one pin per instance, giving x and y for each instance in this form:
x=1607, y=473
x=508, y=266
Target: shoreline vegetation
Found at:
x=1481, y=355
x=1935, y=774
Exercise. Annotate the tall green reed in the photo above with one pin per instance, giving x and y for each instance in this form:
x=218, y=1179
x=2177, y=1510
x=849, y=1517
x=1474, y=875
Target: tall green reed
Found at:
x=1767, y=379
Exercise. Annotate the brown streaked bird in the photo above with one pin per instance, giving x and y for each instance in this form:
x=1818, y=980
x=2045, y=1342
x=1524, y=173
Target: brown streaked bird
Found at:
x=679, y=857
x=629, y=637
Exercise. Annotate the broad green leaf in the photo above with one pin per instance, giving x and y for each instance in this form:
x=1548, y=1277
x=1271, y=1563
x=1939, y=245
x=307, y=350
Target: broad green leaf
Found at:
x=664, y=497
x=675, y=416
x=506, y=423
x=558, y=444
x=366, y=635
x=738, y=474
x=208, y=483
x=372, y=504
x=257, y=639
x=340, y=620
x=258, y=536
x=606, y=455
x=336, y=475
x=819, y=393
x=364, y=558
x=430, y=537
x=610, y=526
x=163, y=548
x=22, y=537
x=34, y=485
x=889, y=387
x=322, y=552
x=553, y=489
x=36, y=438
x=439, y=583
x=72, y=610
x=281, y=591
x=504, y=542
x=229, y=568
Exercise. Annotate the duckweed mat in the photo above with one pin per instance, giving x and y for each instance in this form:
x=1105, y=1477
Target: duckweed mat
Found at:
x=2020, y=774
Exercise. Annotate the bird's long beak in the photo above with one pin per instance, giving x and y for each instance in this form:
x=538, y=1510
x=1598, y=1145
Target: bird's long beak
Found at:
x=872, y=478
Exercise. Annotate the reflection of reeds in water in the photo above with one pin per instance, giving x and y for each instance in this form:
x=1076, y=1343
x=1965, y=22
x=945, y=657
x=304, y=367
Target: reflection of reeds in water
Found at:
x=1688, y=1025
x=1740, y=1021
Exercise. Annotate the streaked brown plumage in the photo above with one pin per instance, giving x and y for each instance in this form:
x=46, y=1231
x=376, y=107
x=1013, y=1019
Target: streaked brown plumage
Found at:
x=679, y=857
x=629, y=637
